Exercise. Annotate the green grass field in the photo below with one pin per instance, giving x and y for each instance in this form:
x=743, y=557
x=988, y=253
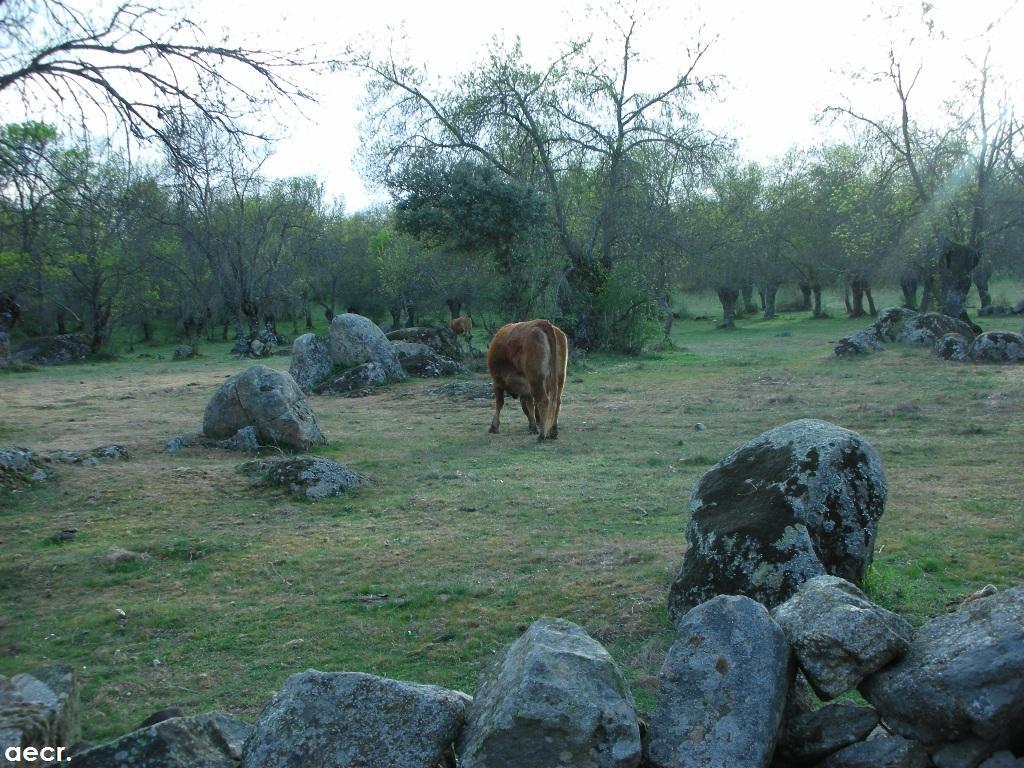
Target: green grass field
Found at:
x=463, y=538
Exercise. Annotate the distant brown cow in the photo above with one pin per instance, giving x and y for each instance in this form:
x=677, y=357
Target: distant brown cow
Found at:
x=462, y=326
x=528, y=360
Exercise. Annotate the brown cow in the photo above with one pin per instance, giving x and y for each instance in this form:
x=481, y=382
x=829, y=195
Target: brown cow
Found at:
x=528, y=360
x=462, y=326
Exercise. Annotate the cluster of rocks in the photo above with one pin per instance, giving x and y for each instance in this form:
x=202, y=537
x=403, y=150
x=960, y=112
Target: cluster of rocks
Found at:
x=263, y=343
x=21, y=466
x=52, y=350
x=949, y=337
x=356, y=357
x=184, y=352
x=306, y=477
x=1002, y=309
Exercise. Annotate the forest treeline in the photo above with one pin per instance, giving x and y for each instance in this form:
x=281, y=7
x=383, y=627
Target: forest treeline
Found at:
x=560, y=191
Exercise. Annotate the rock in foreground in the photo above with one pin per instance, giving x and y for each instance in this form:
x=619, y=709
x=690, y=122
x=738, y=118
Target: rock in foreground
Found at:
x=722, y=690
x=39, y=709
x=998, y=347
x=349, y=719
x=267, y=400
x=307, y=477
x=799, y=501
x=555, y=699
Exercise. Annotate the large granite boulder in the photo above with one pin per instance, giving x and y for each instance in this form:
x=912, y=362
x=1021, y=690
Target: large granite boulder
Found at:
x=858, y=343
x=311, y=361
x=998, y=347
x=722, y=688
x=309, y=477
x=838, y=635
x=885, y=752
x=432, y=365
x=354, y=340
x=352, y=720
x=890, y=322
x=926, y=329
x=39, y=709
x=53, y=350
x=555, y=699
x=963, y=677
x=799, y=501
x=211, y=740
x=267, y=400
x=811, y=736
x=953, y=347
x=440, y=339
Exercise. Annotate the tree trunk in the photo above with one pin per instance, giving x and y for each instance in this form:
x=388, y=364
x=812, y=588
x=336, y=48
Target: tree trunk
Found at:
x=241, y=347
x=454, y=307
x=909, y=284
x=871, y=301
x=308, y=313
x=817, y=313
x=955, y=268
x=61, y=323
x=858, y=285
x=728, y=296
x=769, y=291
x=982, y=274
x=410, y=315
x=749, y=307
x=805, y=293
x=396, y=317
x=665, y=303
x=147, y=331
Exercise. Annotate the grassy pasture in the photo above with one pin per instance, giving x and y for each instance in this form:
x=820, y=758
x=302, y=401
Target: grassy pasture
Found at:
x=464, y=538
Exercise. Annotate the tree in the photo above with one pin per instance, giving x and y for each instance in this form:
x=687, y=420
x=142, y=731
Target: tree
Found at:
x=573, y=130
x=130, y=66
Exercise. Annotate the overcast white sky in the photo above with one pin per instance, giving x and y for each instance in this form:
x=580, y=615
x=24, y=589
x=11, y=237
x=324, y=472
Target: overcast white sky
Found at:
x=783, y=60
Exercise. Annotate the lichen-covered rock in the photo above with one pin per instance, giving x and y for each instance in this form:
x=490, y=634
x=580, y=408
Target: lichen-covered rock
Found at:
x=39, y=709
x=555, y=699
x=722, y=688
x=267, y=400
x=925, y=329
x=962, y=677
x=838, y=635
x=53, y=350
x=354, y=340
x=811, y=736
x=858, y=343
x=998, y=347
x=350, y=720
x=968, y=753
x=20, y=466
x=183, y=352
x=243, y=441
x=439, y=339
x=954, y=347
x=430, y=364
x=307, y=477
x=211, y=740
x=311, y=361
x=177, y=443
x=361, y=380
x=890, y=322
x=801, y=500
x=886, y=752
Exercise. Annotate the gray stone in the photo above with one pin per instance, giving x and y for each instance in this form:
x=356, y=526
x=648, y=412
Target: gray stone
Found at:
x=307, y=477
x=39, y=709
x=211, y=740
x=243, y=441
x=406, y=349
x=890, y=322
x=722, y=688
x=995, y=309
x=962, y=677
x=118, y=556
x=89, y=458
x=953, y=347
x=53, y=350
x=440, y=339
x=267, y=400
x=175, y=444
x=361, y=380
x=1003, y=759
x=961, y=754
x=926, y=329
x=352, y=720
x=19, y=466
x=813, y=735
x=183, y=352
x=354, y=340
x=888, y=752
x=858, y=343
x=798, y=501
x=432, y=365
x=311, y=361
x=838, y=635
x=998, y=347
x=556, y=698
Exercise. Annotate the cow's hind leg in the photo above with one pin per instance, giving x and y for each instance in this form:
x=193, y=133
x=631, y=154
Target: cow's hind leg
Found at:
x=499, y=401
x=540, y=399
x=530, y=410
